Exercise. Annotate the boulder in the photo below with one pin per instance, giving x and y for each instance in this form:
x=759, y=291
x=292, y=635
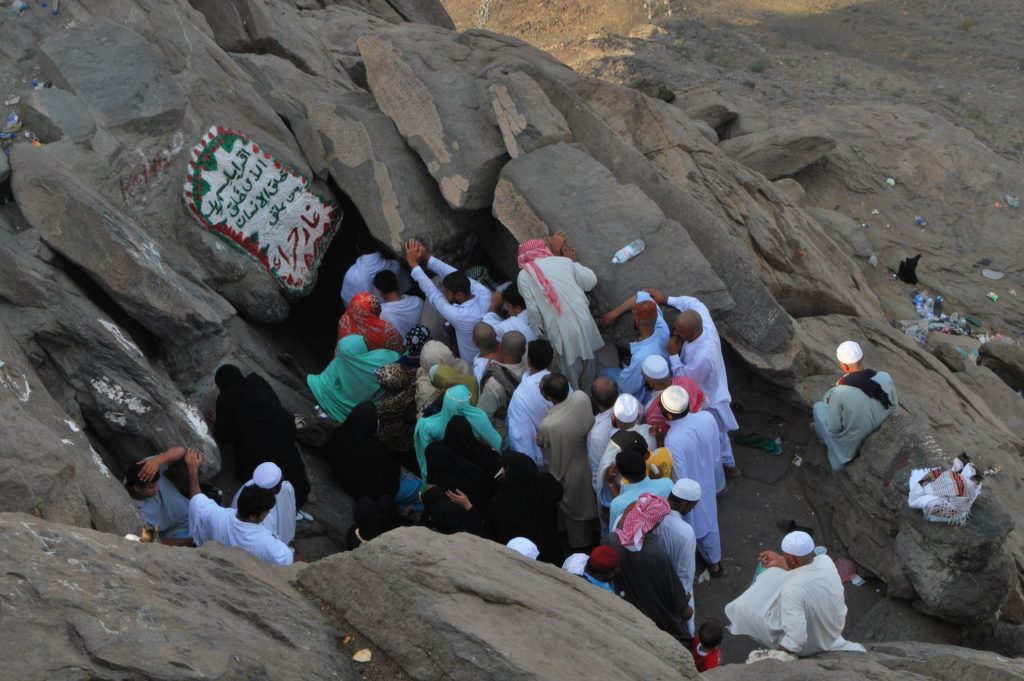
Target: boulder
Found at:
x=953, y=351
x=115, y=71
x=532, y=199
x=52, y=113
x=781, y=151
x=80, y=224
x=463, y=608
x=844, y=230
x=427, y=83
x=90, y=605
x=897, y=661
x=726, y=112
x=794, y=190
x=47, y=466
x=961, y=574
x=1006, y=359
x=1005, y=403
x=424, y=12
x=5, y=168
x=525, y=115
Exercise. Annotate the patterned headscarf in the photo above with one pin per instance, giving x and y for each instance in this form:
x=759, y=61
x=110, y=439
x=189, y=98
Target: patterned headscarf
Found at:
x=393, y=377
x=532, y=250
x=646, y=513
x=362, y=318
x=415, y=340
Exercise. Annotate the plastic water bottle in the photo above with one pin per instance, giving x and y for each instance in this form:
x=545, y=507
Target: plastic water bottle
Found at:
x=937, y=308
x=629, y=251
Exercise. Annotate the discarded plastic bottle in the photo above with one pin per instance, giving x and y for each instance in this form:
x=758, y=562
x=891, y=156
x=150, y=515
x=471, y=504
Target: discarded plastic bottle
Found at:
x=921, y=222
x=929, y=308
x=937, y=308
x=629, y=251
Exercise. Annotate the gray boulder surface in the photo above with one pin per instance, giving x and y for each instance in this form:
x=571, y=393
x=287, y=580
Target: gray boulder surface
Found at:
x=779, y=152
x=52, y=113
x=526, y=117
x=474, y=609
x=92, y=605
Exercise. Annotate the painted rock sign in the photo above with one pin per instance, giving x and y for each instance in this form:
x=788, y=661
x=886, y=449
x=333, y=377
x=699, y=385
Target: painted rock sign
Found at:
x=261, y=205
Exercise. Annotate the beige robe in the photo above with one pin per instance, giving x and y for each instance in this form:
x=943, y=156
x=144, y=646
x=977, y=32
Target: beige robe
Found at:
x=563, y=433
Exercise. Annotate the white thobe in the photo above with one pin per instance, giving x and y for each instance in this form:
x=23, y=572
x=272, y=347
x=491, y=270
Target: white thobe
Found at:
x=404, y=313
x=676, y=536
x=526, y=410
x=573, y=334
x=597, y=441
x=462, y=316
x=693, y=443
x=519, y=322
x=210, y=522
x=359, y=277
x=281, y=519
x=802, y=610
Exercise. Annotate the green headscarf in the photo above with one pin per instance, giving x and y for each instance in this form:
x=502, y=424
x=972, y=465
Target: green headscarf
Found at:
x=432, y=428
x=350, y=378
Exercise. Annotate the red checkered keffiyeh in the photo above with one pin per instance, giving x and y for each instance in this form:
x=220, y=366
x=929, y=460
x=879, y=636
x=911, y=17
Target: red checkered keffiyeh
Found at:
x=646, y=513
x=532, y=250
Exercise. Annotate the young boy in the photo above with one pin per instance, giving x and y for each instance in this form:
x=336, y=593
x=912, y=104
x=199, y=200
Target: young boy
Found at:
x=705, y=646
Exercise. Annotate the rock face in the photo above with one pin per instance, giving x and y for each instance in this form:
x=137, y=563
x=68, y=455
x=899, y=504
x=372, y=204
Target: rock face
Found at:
x=137, y=93
x=526, y=117
x=891, y=661
x=473, y=609
x=52, y=113
x=93, y=605
x=779, y=152
x=1006, y=360
x=530, y=202
x=933, y=564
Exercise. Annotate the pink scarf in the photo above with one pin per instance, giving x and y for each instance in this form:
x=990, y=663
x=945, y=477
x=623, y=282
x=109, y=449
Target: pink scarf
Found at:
x=532, y=250
x=647, y=512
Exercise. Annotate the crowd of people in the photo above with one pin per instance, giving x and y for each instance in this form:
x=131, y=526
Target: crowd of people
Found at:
x=482, y=408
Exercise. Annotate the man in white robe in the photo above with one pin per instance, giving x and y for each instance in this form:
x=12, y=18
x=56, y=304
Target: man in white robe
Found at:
x=518, y=317
x=604, y=392
x=281, y=519
x=554, y=287
x=243, y=528
x=625, y=416
x=796, y=605
x=692, y=440
x=461, y=300
x=359, y=277
x=676, y=536
x=527, y=408
x=695, y=351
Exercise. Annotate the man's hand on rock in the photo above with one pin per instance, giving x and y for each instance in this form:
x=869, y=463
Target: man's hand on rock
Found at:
x=558, y=242
x=193, y=459
x=150, y=468
x=412, y=253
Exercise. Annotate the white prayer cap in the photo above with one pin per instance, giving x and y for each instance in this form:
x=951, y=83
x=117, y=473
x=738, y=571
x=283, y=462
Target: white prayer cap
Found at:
x=798, y=544
x=266, y=475
x=627, y=408
x=686, y=489
x=524, y=546
x=675, y=400
x=576, y=563
x=849, y=352
x=655, y=366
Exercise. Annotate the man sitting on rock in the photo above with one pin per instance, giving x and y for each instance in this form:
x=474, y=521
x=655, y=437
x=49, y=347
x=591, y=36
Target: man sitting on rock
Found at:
x=157, y=498
x=854, y=408
x=796, y=605
x=242, y=528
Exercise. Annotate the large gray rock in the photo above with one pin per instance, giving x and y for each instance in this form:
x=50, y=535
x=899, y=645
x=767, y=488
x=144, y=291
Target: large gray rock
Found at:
x=5, y=168
x=534, y=199
x=960, y=574
x=897, y=661
x=47, y=466
x=84, y=605
x=525, y=115
x=1006, y=359
x=723, y=110
x=462, y=608
x=424, y=12
x=844, y=230
x=52, y=113
x=781, y=151
x=426, y=82
x=115, y=71
x=79, y=223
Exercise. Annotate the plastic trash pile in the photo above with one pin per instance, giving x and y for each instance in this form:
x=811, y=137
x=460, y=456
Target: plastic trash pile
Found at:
x=932, y=318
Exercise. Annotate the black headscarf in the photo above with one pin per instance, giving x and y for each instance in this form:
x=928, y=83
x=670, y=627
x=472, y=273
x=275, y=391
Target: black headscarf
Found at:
x=361, y=463
x=252, y=425
x=372, y=517
x=445, y=516
x=460, y=437
x=526, y=506
x=863, y=381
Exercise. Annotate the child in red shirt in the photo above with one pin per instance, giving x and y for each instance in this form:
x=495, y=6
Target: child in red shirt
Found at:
x=705, y=646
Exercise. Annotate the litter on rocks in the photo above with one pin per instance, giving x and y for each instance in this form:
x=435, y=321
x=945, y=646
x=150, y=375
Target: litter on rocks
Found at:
x=12, y=101
x=921, y=222
x=364, y=655
x=13, y=123
x=997, y=204
x=890, y=181
x=992, y=470
x=994, y=297
x=1012, y=201
x=992, y=274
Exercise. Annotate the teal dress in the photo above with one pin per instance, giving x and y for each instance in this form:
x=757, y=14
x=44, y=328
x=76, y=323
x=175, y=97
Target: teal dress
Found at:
x=456, y=403
x=350, y=379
